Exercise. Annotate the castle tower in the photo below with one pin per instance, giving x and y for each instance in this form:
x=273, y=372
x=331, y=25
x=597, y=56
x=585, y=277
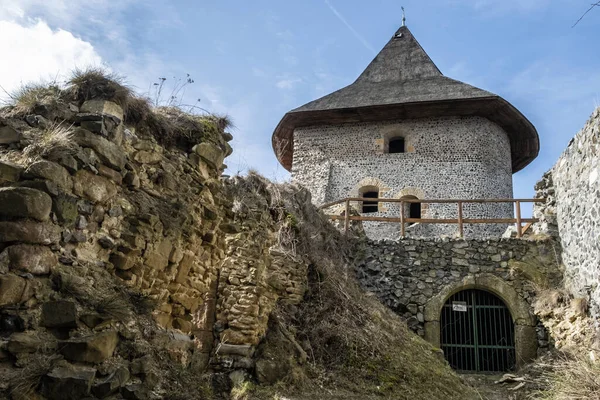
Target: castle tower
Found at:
x=403, y=129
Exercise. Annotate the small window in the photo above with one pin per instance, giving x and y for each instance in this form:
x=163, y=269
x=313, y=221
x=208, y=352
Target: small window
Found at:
x=415, y=210
x=412, y=210
x=370, y=206
x=396, y=145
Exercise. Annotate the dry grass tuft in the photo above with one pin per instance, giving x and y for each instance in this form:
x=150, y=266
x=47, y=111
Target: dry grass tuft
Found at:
x=98, y=83
x=24, y=382
x=138, y=110
x=573, y=378
x=173, y=127
x=114, y=306
x=29, y=96
x=53, y=143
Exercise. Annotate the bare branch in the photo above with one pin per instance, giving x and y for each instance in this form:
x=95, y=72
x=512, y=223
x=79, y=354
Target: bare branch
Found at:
x=585, y=13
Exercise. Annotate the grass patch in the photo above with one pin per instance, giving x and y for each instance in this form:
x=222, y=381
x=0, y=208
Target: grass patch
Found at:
x=24, y=382
x=53, y=143
x=573, y=377
x=98, y=83
x=173, y=127
x=29, y=96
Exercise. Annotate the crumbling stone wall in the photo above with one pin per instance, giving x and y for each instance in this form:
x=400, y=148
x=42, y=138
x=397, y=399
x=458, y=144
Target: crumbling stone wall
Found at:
x=572, y=188
x=110, y=250
x=407, y=274
x=445, y=158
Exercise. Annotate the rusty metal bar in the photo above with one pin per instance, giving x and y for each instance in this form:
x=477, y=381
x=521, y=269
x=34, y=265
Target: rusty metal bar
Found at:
x=430, y=201
x=518, y=205
x=347, y=216
x=435, y=221
x=403, y=225
x=460, y=219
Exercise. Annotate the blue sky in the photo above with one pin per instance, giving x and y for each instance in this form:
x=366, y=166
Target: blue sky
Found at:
x=257, y=60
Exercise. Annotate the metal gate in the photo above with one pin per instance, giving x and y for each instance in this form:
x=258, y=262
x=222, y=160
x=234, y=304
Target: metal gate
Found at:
x=477, y=332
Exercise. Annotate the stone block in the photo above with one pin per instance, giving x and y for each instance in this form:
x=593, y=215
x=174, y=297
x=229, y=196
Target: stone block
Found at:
x=9, y=135
x=93, y=349
x=93, y=187
x=59, y=314
x=14, y=290
x=9, y=172
x=51, y=171
x=121, y=261
x=211, y=153
x=29, y=232
x=68, y=382
x=110, y=153
x=111, y=384
x=65, y=209
x=37, y=260
x=103, y=107
x=110, y=173
x=20, y=202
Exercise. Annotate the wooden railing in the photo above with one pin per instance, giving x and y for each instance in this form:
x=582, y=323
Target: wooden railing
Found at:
x=403, y=220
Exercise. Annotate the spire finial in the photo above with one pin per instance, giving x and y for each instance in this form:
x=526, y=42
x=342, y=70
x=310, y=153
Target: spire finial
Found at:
x=403, y=17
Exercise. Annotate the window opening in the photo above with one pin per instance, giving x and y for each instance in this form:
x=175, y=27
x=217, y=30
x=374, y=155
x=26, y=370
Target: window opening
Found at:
x=370, y=206
x=396, y=145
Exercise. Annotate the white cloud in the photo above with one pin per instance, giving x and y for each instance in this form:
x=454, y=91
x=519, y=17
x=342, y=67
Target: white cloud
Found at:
x=287, y=83
x=36, y=52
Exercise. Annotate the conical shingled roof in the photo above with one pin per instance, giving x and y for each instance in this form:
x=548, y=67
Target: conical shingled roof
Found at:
x=403, y=82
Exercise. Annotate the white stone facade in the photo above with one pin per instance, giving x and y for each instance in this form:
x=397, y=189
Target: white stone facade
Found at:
x=573, y=204
x=444, y=158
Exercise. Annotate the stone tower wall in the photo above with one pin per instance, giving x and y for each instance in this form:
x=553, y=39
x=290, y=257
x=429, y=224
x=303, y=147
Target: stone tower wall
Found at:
x=445, y=158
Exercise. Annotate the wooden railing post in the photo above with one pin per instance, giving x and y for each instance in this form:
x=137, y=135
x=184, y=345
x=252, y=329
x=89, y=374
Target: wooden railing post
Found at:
x=347, y=217
x=402, y=229
x=518, y=203
x=460, y=219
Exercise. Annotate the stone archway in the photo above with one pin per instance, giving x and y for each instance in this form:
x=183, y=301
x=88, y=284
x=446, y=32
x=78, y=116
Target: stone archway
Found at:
x=524, y=321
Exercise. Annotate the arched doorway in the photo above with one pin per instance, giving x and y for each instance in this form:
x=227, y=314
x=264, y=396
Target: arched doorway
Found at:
x=477, y=332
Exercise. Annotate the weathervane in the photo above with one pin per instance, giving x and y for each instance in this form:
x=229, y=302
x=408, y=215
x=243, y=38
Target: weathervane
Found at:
x=403, y=17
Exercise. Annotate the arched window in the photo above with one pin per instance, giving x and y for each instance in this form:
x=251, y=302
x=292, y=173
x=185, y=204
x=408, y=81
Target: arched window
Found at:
x=370, y=206
x=412, y=210
x=396, y=145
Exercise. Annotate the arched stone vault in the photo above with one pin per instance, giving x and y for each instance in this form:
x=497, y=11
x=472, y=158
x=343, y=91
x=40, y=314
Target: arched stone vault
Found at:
x=525, y=334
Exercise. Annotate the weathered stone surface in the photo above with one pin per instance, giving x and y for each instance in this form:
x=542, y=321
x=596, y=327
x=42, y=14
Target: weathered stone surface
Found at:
x=211, y=153
x=572, y=208
x=93, y=187
x=270, y=371
x=110, y=174
x=111, y=384
x=93, y=349
x=59, y=314
x=9, y=135
x=102, y=107
x=65, y=208
x=147, y=157
x=9, y=172
x=29, y=342
x=68, y=382
x=37, y=260
x=29, y=232
x=14, y=290
x=19, y=202
x=122, y=261
x=137, y=392
x=51, y=171
x=48, y=187
x=109, y=153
